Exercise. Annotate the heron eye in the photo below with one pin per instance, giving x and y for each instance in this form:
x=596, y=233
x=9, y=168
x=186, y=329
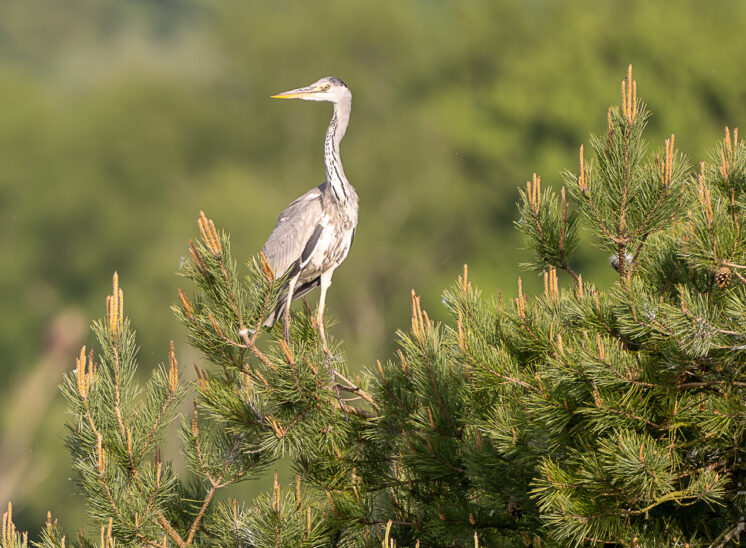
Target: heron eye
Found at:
x=325, y=87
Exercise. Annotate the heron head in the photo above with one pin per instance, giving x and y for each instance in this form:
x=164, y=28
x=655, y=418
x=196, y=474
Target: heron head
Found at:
x=327, y=89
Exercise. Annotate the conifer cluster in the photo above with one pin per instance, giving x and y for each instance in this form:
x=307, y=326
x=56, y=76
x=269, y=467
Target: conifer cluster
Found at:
x=584, y=416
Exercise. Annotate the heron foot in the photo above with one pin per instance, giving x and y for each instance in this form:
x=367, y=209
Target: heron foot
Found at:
x=245, y=332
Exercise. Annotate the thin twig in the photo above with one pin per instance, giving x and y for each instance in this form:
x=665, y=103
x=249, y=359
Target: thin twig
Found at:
x=170, y=531
x=215, y=486
x=351, y=387
x=156, y=423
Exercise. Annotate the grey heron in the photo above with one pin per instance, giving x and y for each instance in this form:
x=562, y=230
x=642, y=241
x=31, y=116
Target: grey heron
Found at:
x=313, y=235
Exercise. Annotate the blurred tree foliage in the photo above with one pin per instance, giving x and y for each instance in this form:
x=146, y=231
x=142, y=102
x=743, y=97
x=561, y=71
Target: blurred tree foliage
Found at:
x=121, y=120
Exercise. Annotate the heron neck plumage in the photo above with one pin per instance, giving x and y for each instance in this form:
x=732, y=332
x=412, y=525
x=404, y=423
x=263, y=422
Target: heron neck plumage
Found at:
x=339, y=186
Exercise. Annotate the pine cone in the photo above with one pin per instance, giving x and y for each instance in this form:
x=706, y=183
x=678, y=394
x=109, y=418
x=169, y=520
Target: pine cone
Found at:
x=723, y=276
x=514, y=509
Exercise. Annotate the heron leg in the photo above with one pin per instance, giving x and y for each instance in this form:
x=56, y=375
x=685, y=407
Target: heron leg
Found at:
x=286, y=315
x=326, y=281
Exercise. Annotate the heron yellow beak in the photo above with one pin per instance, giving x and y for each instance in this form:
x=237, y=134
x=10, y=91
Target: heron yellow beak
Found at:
x=296, y=93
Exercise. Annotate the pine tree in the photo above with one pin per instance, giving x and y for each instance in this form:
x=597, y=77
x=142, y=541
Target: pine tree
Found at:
x=583, y=416
x=631, y=398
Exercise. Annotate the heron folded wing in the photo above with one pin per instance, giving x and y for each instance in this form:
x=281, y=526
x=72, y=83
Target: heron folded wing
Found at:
x=300, y=263
x=294, y=229
x=311, y=244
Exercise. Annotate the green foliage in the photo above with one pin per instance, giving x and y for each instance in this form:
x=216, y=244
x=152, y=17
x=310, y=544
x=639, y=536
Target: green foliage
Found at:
x=125, y=117
x=266, y=399
x=581, y=416
x=552, y=230
x=638, y=390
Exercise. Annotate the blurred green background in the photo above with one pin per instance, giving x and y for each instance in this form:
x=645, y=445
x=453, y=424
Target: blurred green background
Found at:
x=120, y=120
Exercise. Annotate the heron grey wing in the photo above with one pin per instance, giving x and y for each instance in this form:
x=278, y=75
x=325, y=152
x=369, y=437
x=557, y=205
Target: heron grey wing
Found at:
x=295, y=227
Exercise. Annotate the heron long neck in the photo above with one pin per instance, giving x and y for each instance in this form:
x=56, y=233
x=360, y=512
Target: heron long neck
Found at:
x=339, y=186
